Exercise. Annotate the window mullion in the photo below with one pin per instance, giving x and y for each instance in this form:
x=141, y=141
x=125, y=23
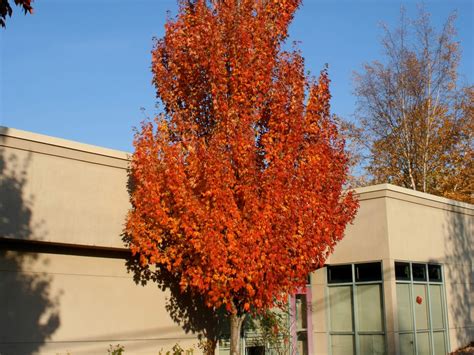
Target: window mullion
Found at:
x=430, y=321
x=444, y=306
x=356, y=312
x=328, y=319
x=382, y=298
x=413, y=310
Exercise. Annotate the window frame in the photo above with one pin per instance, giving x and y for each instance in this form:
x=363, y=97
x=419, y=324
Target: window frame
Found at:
x=411, y=282
x=355, y=316
x=304, y=291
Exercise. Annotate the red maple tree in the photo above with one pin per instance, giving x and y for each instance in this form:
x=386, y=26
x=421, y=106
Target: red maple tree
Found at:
x=238, y=185
x=6, y=9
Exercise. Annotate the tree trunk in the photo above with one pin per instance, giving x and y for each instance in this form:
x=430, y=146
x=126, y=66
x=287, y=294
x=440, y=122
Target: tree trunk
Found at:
x=235, y=327
x=209, y=347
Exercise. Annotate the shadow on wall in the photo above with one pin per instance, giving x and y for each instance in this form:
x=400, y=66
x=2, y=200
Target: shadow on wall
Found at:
x=185, y=309
x=459, y=247
x=28, y=313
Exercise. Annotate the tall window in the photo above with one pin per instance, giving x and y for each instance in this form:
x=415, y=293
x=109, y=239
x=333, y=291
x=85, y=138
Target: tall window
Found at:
x=356, y=316
x=300, y=320
x=421, y=309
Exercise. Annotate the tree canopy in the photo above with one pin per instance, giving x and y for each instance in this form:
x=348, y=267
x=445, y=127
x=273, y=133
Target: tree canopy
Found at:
x=6, y=9
x=238, y=184
x=414, y=115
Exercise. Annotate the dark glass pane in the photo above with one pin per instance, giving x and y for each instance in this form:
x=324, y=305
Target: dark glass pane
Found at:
x=419, y=272
x=301, y=311
x=402, y=271
x=339, y=273
x=368, y=272
x=302, y=343
x=256, y=350
x=434, y=273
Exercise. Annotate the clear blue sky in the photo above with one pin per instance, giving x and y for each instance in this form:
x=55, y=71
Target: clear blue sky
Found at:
x=80, y=69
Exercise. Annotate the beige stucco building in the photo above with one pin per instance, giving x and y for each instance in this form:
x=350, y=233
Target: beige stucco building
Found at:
x=401, y=281
x=424, y=247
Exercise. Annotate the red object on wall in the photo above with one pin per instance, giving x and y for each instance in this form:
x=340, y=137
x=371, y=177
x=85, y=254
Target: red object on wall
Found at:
x=419, y=300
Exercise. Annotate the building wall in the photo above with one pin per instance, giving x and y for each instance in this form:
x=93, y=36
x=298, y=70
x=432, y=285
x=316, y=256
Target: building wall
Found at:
x=427, y=228
x=365, y=240
x=64, y=285
x=75, y=304
x=75, y=193
x=396, y=224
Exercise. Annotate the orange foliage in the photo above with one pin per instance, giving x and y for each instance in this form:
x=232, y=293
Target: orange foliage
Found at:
x=6, y=9
x=238, y=186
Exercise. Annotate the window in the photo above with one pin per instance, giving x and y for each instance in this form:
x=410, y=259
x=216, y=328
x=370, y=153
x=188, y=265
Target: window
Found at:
x=296, y=319
x=255, y=350
x=418, y=272
x=402, y=271
x=356, y=318
x=301, y=327
x=434, y=273
x=421, y=309
x=340, y=273
x=368, y=272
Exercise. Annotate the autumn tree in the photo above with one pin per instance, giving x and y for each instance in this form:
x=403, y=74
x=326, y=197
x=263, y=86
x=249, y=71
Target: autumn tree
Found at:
x=413, y=116
x=6, y=9
x=238, y=184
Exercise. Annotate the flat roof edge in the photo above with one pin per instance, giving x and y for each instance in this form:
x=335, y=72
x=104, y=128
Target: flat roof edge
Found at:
x=383, y=188
x=62, y=143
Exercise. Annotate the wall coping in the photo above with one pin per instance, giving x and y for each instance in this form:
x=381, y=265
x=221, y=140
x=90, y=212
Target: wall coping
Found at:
x=62, y=143
x=408, y=195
